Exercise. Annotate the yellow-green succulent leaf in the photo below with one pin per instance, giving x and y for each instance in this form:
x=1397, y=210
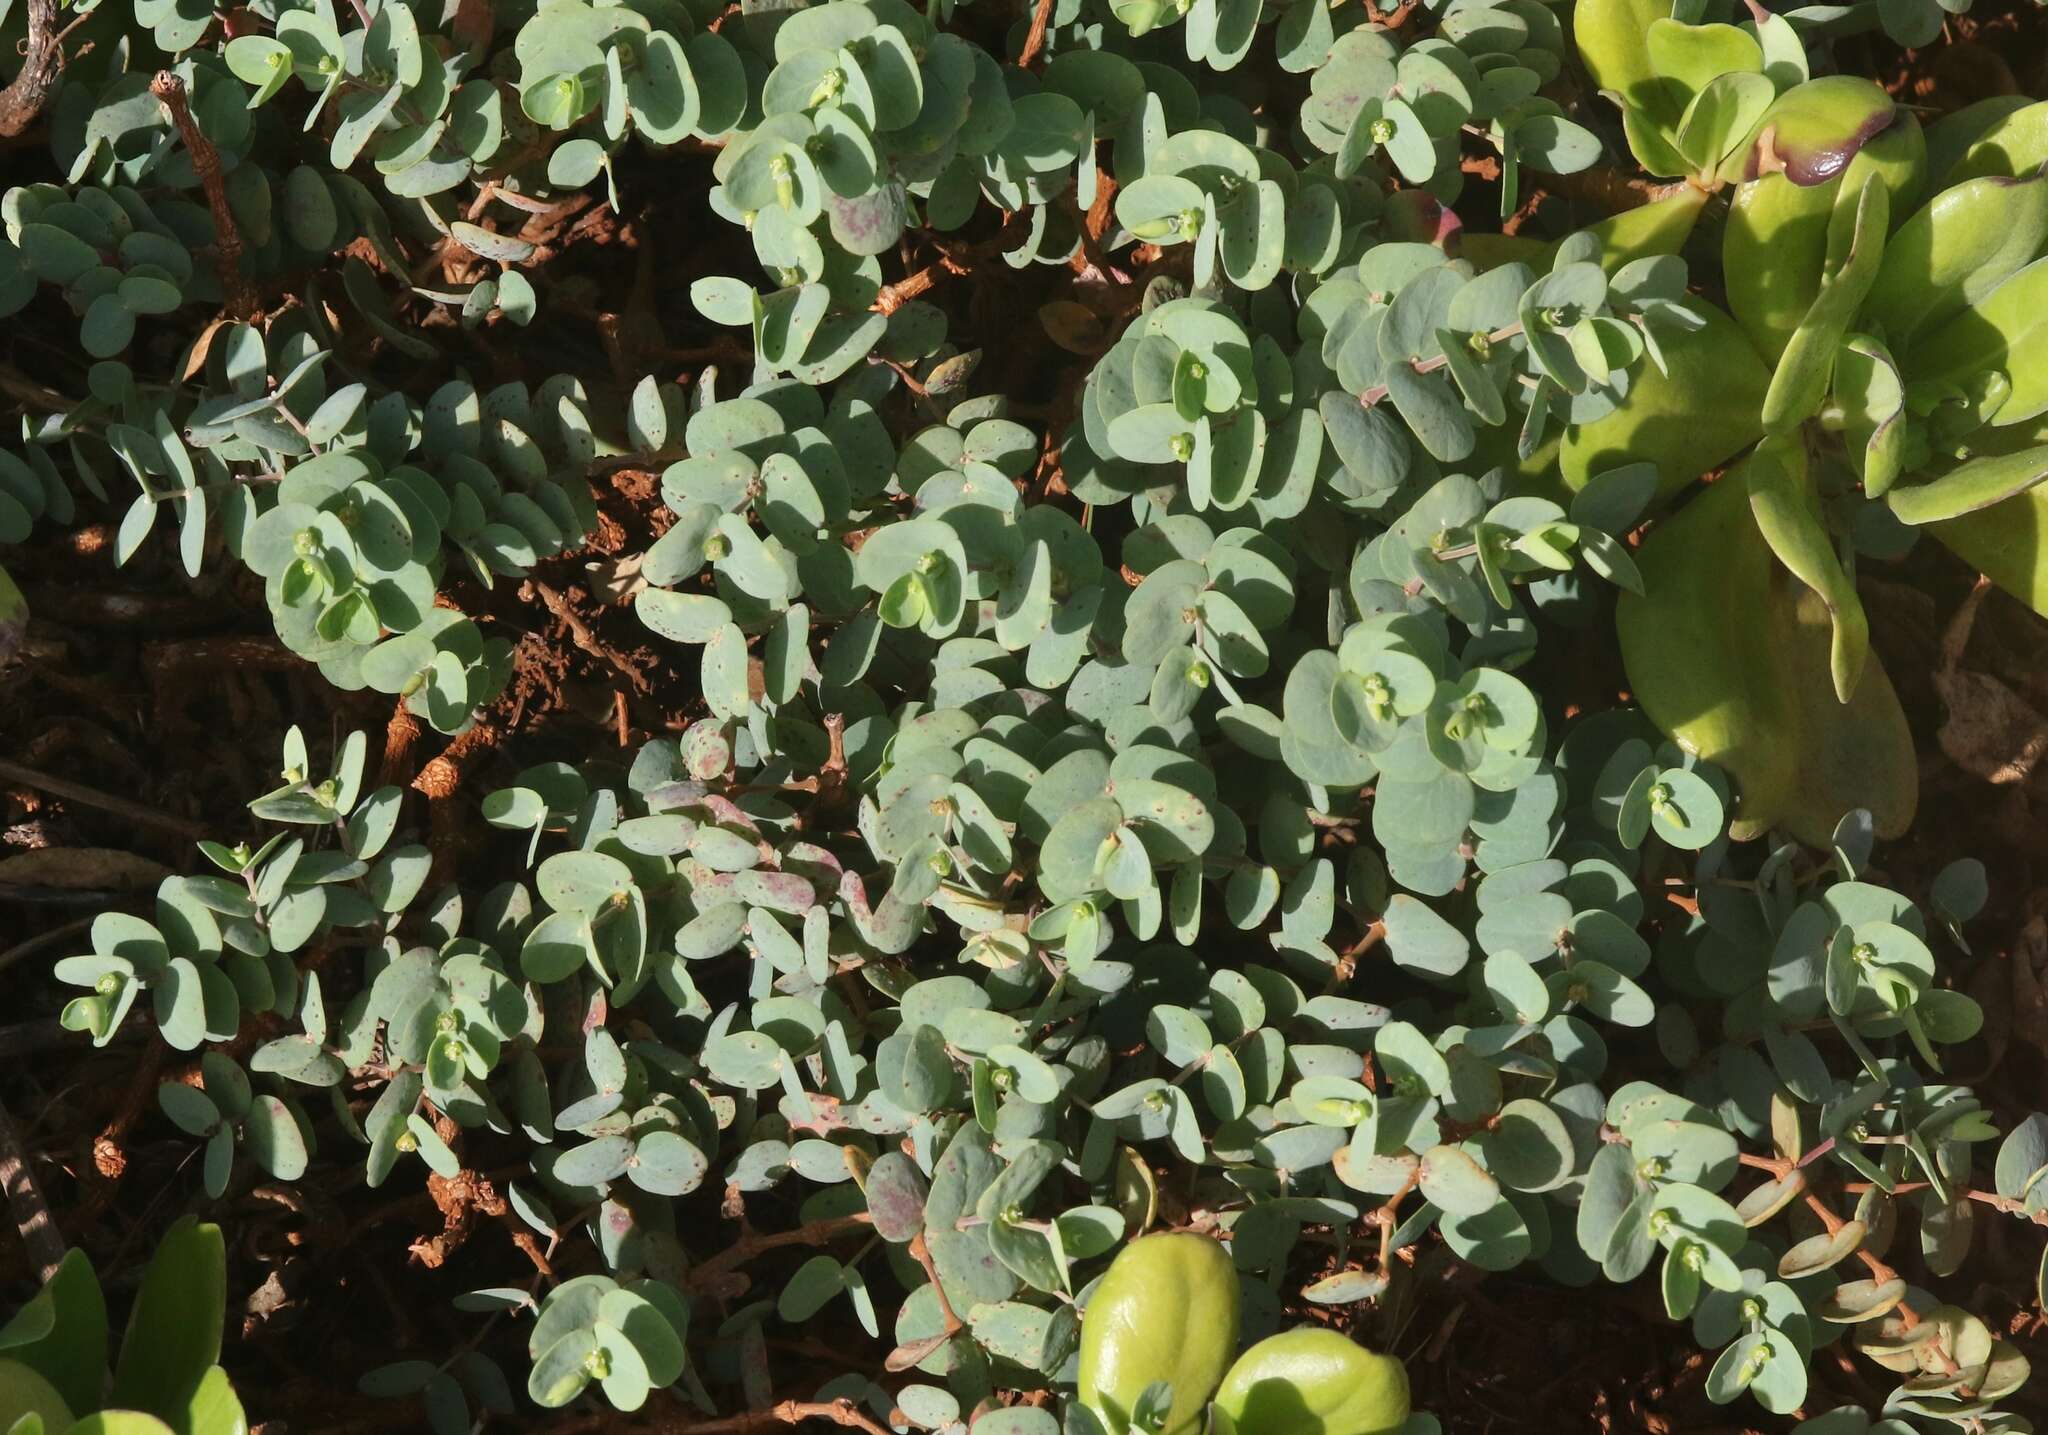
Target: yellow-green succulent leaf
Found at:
x=1955, y=249
x=1708, y=370
x=2013, y=145
x=1720, y=117
x=2007, y=543
x=24, y=1392
x=2006, y=332
x=1166, y=1310
x=1813, y=131
x=1613, y=43
x=1870, y=396
x=1775, y=244
x=1313, y=1381
x=1653, y=142
x=1692, y=56
x=1729, y=653
x=1787, y=512
x=1971, y=486
x=1800, y=383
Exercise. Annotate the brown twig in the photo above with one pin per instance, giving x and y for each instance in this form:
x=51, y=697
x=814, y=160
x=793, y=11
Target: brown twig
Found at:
x=1034, y=41
x=44, y=939
x=1430, y=365
x=39, y=1233
x=23, y=100
x=109, y=1154
x=1610, y=190
x=2005, y=1204
x=589, y=641
x=92, y=797
x=812, y=1233
x=439, y=778
x=401, y=732
x=892, y=297
x=227, y=238
x=788, y=1412
x=923, y=1252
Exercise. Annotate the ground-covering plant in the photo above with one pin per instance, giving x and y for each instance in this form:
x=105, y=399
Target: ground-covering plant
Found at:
x=53, y=1352
x=988, y=1131
x=1132, y=827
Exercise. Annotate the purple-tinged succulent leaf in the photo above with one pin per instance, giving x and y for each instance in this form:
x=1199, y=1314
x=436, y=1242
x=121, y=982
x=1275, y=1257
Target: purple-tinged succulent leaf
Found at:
x=1815, y=129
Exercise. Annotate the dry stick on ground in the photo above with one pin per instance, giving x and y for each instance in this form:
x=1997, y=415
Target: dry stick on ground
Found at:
x=23, y=100
x=227, y=239
x=787, y=1412
x=39, y=1233
x=109, y=1151
x=813, y=1233
x=44, y=939
x=1034, y=42
x=93, y=797
x=439, y=778
x=892, y=297
x=401, y=732
x=1609, y=189
x=588, y=640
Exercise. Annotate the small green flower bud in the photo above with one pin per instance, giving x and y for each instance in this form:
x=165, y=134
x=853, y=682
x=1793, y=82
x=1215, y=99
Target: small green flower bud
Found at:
x=827, y=89
x=1382, y=131
x=1181, y=446
x=717, y=546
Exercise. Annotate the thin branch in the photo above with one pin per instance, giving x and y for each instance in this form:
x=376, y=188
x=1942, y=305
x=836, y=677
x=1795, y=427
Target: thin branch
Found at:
x=39, y=1233
x=227, y=238
x=1034, y=42
x=47, y=1034
x=788, y=1412
x=814, y=1233
x=21, y=103
x=892, y=297
x=44, y=939
x=92, y=797
x=588, y=640
x=923, y=1253
x=1436, y=361
x=1611, y=190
